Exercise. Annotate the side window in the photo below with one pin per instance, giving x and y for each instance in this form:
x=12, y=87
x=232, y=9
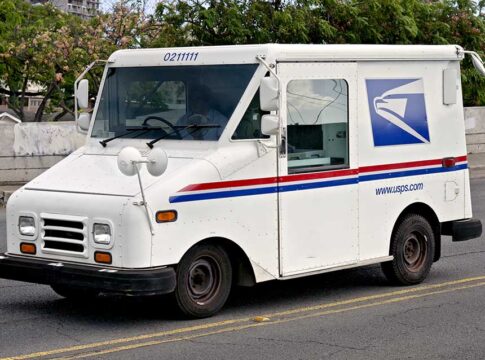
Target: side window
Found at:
x=317, y=131
x=250, y=125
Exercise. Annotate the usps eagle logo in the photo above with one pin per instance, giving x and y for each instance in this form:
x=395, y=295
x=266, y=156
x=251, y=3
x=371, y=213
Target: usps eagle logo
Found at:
x=397, y=111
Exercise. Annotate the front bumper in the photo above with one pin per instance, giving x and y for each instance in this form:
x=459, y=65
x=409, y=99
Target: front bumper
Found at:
x=462, y=230
x=150, y=281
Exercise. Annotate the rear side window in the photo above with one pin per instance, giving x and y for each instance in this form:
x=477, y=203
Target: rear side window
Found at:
x=317, y=129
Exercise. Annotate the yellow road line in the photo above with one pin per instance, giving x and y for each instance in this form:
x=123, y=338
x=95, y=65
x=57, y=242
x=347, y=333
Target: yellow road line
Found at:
x=373, y=297
x=239, y=320
x=275, y=322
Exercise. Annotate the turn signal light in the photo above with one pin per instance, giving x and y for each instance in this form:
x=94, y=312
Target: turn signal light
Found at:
x=28, y=248
x=166, y=216
x=102, y=257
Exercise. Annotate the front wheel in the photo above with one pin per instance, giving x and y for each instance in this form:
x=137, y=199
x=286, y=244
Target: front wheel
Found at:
x=204, y=278
x=412, y=246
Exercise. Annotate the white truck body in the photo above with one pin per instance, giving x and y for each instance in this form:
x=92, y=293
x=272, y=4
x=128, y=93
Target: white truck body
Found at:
x=390, y=136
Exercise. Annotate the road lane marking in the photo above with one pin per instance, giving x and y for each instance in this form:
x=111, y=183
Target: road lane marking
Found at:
x=239, y=320
x=373, y=297
x=275, y=322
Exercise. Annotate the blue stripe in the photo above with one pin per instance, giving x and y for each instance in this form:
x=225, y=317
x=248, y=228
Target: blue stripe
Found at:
x=311, y=185
x=222, y=194
x=259, y=191
x=316, y=185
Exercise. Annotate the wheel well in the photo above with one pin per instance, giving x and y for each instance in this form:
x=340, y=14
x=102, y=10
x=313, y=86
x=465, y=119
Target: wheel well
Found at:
x=428, y=213
x=243, y=274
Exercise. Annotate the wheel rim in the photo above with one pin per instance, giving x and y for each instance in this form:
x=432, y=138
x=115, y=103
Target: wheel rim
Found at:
x=415, y=251
x=203, y=281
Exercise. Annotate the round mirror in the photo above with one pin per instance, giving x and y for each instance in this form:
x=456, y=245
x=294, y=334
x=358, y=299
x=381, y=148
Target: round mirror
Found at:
x=126, y=159
x=157, y=162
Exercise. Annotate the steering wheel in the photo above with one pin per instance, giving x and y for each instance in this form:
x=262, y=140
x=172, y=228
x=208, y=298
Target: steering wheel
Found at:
x=198, y=119
x=166, y=122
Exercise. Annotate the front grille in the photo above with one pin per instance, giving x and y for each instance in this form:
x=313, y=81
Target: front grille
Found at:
x=64, y=223
x=64, y=235
x=63, y=246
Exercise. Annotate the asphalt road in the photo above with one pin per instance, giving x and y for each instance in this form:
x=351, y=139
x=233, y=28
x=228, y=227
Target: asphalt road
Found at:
x=353, y=314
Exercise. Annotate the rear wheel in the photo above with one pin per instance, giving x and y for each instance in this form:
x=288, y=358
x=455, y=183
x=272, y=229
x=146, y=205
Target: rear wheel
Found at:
x=412, y=246
x=73, y=293
x=204, y=277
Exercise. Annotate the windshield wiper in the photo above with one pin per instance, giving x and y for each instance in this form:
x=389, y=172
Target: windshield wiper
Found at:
x=192, y=127
x=129, y=131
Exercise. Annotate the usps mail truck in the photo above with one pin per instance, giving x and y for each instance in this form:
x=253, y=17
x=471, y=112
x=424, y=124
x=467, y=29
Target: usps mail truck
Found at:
x=210, y=167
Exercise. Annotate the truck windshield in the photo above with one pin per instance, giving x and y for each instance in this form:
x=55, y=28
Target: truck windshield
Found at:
x=171, y=101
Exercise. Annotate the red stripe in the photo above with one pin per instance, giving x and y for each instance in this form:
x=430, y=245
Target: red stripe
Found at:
x=269, y=180
x=312, y=176
x=371, y=168
x=231, y=183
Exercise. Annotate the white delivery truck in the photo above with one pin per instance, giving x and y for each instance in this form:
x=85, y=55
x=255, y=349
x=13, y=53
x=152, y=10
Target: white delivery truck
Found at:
x=210, y=167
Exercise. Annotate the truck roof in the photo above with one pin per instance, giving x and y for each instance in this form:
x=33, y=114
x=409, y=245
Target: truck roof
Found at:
x=240, y=54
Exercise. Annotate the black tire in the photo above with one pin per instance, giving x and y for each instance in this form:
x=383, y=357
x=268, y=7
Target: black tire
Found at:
x=75, y=294
x=412, y=246
x=204, y=279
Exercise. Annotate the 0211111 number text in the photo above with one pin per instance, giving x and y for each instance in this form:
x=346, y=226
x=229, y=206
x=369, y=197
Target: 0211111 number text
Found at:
x=180, y=56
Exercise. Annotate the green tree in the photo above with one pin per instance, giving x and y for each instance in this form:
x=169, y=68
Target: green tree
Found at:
x=43, y=46
x=210, y=22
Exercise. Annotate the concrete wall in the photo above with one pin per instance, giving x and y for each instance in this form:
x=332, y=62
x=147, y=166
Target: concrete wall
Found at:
x=475, y=129
x=28, y=149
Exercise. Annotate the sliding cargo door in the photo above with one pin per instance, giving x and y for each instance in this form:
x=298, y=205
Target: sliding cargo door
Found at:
x=318, y=183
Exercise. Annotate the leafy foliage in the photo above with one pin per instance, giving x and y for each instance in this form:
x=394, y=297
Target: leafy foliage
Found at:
x=41, y=45
x=44, y=46
x=206, y=22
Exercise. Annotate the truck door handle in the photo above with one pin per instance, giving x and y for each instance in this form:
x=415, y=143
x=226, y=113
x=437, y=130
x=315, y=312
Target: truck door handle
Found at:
x=283, y=146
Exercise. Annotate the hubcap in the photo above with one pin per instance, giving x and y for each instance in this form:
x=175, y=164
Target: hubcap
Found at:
x=203, y=279
x=414, y=251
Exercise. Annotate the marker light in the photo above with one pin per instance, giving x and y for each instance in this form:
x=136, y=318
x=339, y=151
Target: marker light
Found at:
x=27, y=225
x=27, y=248
x=102, y=234
x=102, y=257
x=166, y=216
x=448, y=162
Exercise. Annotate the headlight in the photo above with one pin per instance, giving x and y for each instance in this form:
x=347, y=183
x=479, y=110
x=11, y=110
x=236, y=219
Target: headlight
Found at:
x=102, y=234
x=27, y=225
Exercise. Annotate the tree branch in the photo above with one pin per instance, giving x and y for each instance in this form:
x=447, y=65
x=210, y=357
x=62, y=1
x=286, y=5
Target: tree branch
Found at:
x=60, y=115
x=40, y=110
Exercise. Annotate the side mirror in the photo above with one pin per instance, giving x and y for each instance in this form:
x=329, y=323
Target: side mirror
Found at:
x=83, y=121
x=270, y=124
x=478, y=64
x=268, y=94
x=130, y=160
x=82, y=94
